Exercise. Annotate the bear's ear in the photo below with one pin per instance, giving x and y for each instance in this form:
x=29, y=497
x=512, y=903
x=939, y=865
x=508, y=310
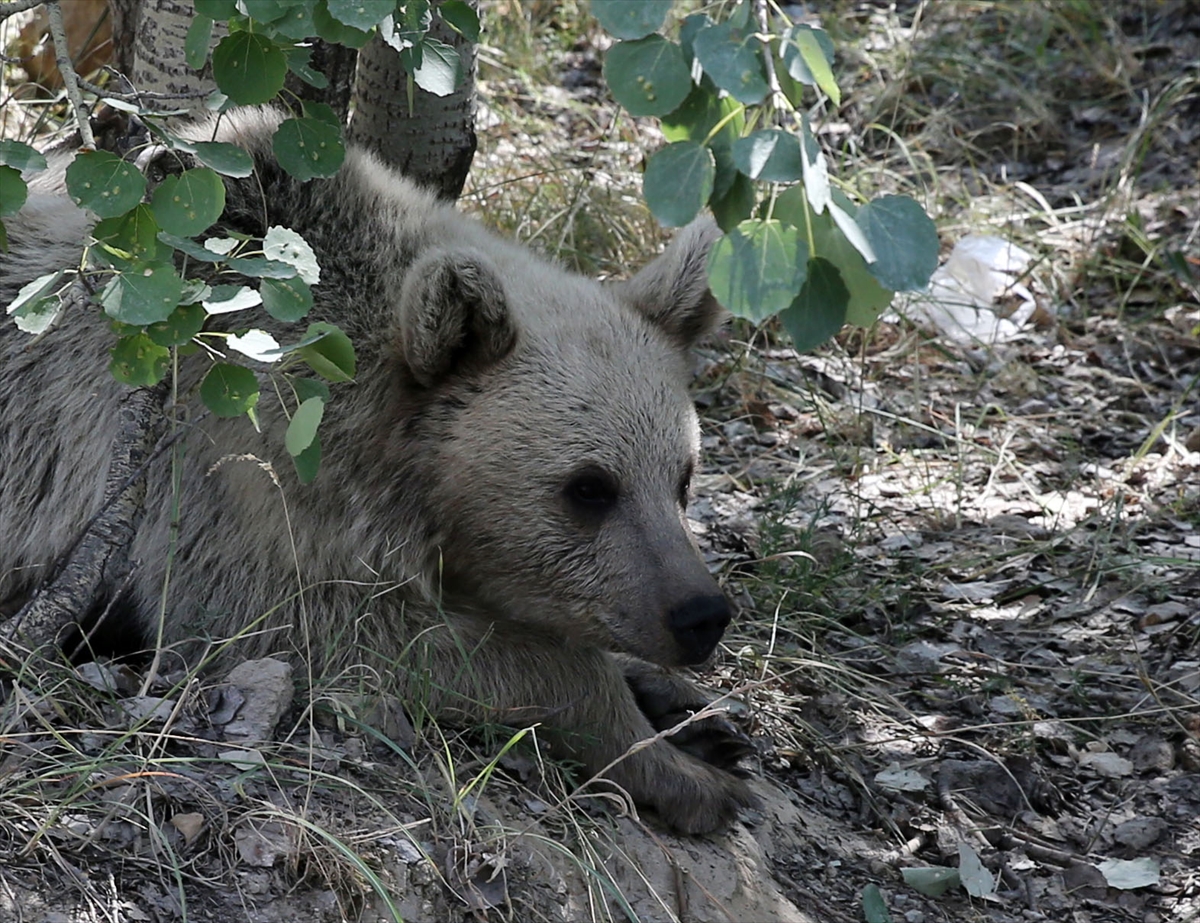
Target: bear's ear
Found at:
x=672, y=291
x=452, y=311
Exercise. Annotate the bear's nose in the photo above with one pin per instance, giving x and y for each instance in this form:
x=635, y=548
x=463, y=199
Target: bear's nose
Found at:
x=698, y=625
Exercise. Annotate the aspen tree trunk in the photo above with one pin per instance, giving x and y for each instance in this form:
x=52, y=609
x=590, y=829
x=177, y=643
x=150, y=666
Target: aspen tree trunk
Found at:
x=433, y=144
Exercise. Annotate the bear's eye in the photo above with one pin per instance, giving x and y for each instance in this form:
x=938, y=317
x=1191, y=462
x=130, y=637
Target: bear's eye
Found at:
x=592, y=490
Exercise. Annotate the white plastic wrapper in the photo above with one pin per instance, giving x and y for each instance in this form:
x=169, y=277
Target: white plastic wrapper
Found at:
x=960, y=299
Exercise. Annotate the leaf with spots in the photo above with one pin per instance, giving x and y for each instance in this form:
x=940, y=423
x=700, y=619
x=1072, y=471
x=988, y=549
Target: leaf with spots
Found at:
x=309, y=147
x=189, y=203
x=137, y=360
x=146, y=293
x=229, y=390
x=104, y=183
x=249, y=68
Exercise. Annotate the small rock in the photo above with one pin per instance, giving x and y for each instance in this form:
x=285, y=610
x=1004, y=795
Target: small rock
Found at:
x=267, y=687
x=1140, y=832
x=1152, y=754
x=147, y=708
x=1106, y=764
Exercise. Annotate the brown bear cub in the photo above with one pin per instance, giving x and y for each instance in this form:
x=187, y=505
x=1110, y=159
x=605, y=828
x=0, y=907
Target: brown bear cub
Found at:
x=499, y=516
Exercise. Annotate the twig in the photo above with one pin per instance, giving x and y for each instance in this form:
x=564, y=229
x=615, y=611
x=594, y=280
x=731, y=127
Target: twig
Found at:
x=11, y=7
x=137, y=96
x=70, y=78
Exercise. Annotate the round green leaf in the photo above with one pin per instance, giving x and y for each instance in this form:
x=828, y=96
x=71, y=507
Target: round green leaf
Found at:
x=265, y=11
x=37, y=304
x=931, y=881
x=459, y=16
x=737, y=204
x=297, y=22
x=249, y=68
x=138, y=360
x=819, y=311
x=302, y=430
x=189, y=203
x=647, y=76
x=309, y=147
x=332, y=355
x=229, y=390
x=631, y=18
x=216, y=9
x=758, y=268
x=338, y=33
x=678, y=182
x=807, y=56
x=13, y=191
x=770, y=155
x=134, y=235
x=904, y=239
x=227, y=159
x=184, y=323
x=874, y=906
x=733, y=60
x=286, y=299
x=21, y=156
x=360, y=14
x=145, y=293
x=104, y=183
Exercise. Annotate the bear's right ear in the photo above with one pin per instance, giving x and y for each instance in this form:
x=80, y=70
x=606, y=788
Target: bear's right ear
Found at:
x=452, y=310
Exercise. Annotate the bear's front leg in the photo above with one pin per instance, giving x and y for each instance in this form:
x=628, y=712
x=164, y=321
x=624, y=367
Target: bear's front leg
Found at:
x=581, y=698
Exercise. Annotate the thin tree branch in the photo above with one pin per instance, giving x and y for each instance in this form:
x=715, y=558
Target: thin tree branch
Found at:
x=11, y=7
x=70, y=78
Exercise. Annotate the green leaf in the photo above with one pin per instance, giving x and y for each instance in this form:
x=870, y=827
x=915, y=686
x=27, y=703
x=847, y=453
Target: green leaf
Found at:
x=441, y=70
x=228, y=299
x=816, y=172
x=623, y=19
x=227, y=159
x=733, y=60
x=758, y=268
x=678, y=182
x=216, y=9
x=184, y=323
x=360, y=14
x=297, y=22
x=461, y=18
x=13, y=191
x=930, y=881
x=770, y=155
x=322, y=112
x=195, y=44
x=807, y=56
x=977, y=879
x=697, y=119
x=189, y=203
x=104, y=183
x=286, y=299
x=261, y=269
x=331, y=355
x=137, y=360
x=299, y=63
x=309, y=387
x=874, y=908
x=265, y=11
x=819, y=311
x=647, y=76
x=303, y=428
x=736, y=205
x=249, y=68
x=146, y=293
x=37, y=303
x=229, y=390
x=309, y=147
x=21, y=156
x=333, y=31
x=135, y=233
x=867, y=298
x=308, y=462
x=904, y=239
x=688, y=30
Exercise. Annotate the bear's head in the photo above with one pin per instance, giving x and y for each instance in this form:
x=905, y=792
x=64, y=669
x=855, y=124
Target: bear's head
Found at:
x=566, y=443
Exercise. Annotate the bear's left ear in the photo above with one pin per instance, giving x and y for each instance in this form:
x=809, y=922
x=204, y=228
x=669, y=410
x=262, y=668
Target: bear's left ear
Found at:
x=452, y=310
x=672, y=291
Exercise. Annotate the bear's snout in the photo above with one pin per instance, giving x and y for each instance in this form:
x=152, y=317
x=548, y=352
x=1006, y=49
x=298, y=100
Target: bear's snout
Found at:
x=698, y=625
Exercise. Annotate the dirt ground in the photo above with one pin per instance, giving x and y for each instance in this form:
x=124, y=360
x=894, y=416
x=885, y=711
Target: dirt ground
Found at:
x=968, y=574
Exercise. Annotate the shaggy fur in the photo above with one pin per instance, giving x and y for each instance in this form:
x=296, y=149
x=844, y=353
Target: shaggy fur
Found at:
x=454, y=531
